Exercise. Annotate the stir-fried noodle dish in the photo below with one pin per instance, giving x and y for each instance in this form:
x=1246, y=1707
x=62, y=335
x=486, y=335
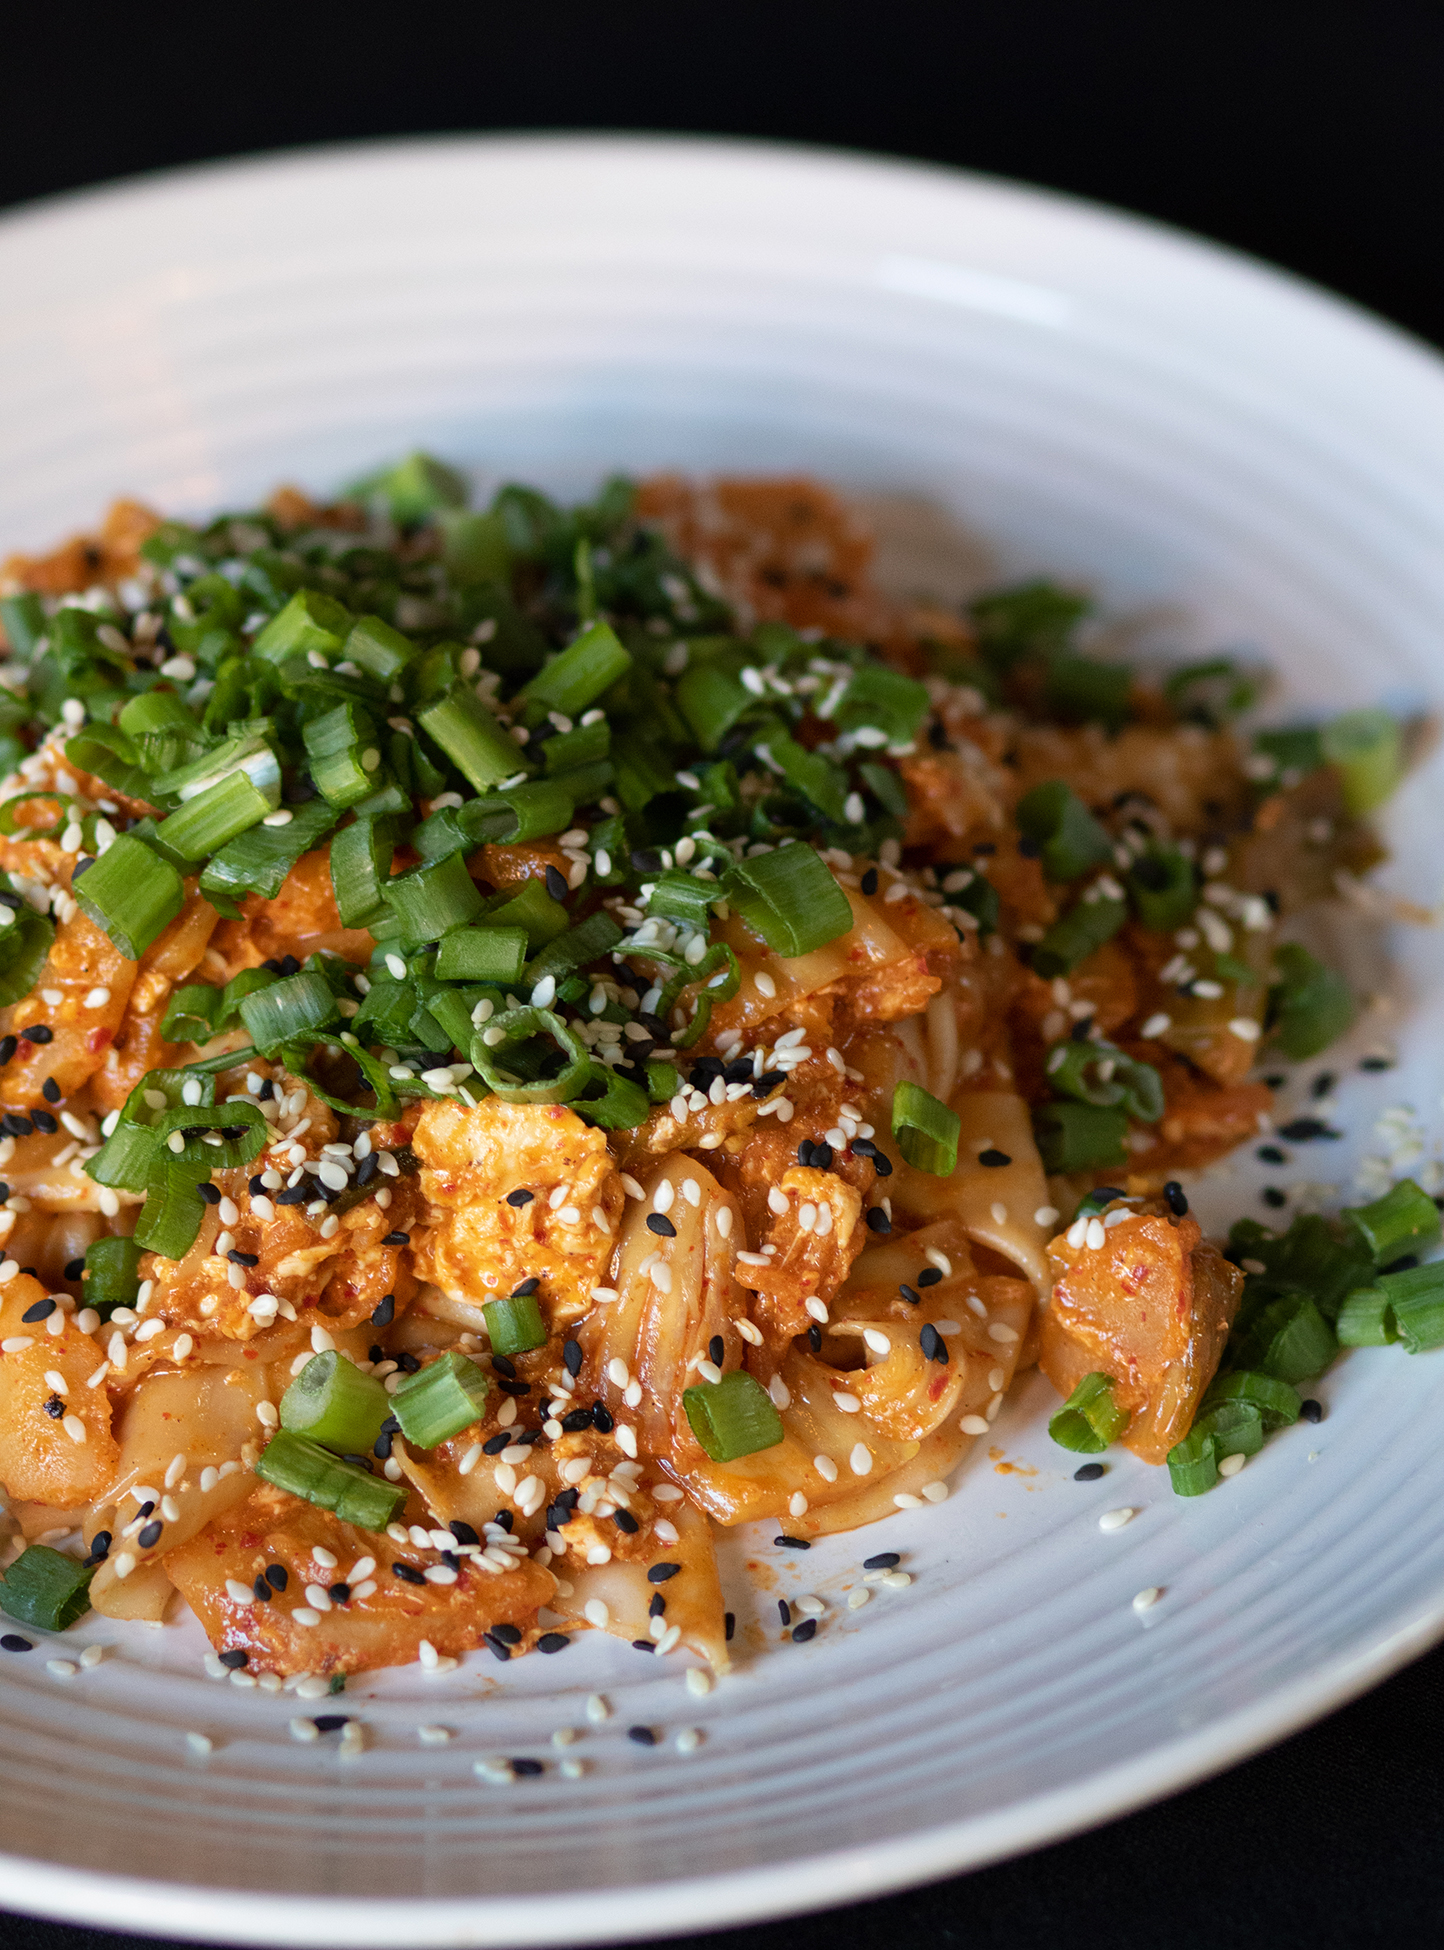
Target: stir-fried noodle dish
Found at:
x=529, y=1034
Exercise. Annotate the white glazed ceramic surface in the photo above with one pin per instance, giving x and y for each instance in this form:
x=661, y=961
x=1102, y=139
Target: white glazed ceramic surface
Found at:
x=1248, y=460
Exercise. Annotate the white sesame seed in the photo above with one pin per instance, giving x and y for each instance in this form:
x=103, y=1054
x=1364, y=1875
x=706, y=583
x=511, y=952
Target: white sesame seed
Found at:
x=1231, y=1465
x=1115, y=1519
x=973, y=1425
x=199, y=1743
x=858, y=1598
x=699, y=1683
x=1046, y=1215
x=1245, y=1028
x=1146, y=1599
x=859, y=1460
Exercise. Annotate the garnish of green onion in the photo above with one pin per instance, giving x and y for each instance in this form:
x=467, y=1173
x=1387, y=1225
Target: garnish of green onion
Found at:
x=622, y=1104
x=258, y=861
x=518, y=1047
x=515, y=1324
x=225, y=810
x=310, y=621
x=46, y=1589
x=23, y=616
x=1078, y=689
x=579, y=675
x=1367, y=750
x=1236, y=1428
x=587, y=942
x=131, y=893
x=297, y=1002
x=303, y=1468
x=733, y=1417
x=1100, y=1073
x=379, y=649
x=678, y=896
x=1161, y=882
x=338, y=746
x=112, y=1273
x=360, y=868
x=926, y=1131
x=1193, y=1464
x=535, y=910
x=1290, y=1339
x=472, y=739
x=1276, y=1402
x=1416, y=1297
x=1366, y=1319
x=1090, y=922
x=482, y=955
x=335, y=1404
x=431, y=900
x=440, y=1400
x=1080, y=1137
x=171, y=1216
x=1068, y=837
x=790, y=898
x=1404, y=1220
x=1090, y=1418
x=1310, y=1006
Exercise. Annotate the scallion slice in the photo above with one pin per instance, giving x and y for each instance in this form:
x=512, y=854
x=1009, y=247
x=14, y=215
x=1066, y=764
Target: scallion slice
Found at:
x=1090, y=1418
x=23, y=617
x=790, y=898
x=1080, y=1137
x=515, y=1324
x=259, y=860
x=1162, y=884
x=379, y=649
x=1090, y=922
x=1193, y=1464
x=579, y=675
x=1310, y=1006
x=1416, y=1295
x=587, y=942
x=310, y=621
x=533, y=909
x=1068, y=838
x=112, y=1273
x=1236, y=1428
x=342, y=753
x=482, y=955
x=131, y=893
x=335, y=1404
x=505, y=1049
x=885, y=699
x=622, y=1105
x=1404, y=1220
x=360, y=868
x=678, y=896
x=733, y=1417
x=214, y=1137
x=303, y=1468
x=440, y=1400
x=171, y=1216
x=1366, y=1319
x=1276, y=1402
x=1101, y=1073
x=46, y=1589
x=926, y=1131
x=472, y=739
x=431, y=900
x=206, y=821
x=1367, y=750
x=273, y=1015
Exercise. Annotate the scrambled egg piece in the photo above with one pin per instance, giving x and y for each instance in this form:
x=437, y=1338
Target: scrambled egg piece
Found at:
x=477, y=1246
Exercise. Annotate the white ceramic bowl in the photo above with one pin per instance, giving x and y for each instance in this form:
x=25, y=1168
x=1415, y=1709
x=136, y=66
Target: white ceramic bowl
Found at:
x=1088, y=395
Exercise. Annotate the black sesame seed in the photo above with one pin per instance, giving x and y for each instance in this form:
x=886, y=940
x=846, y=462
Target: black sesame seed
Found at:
x=784, y=1611
x=572, y=1357
x=520, y=1198
x=504, y=1519
x=74, y=1268
x=1368, y=1063
x=529, y=1769
x=99, y=1547
x=1088, y=1473
x=1322, y=1084
x=793, y=1543
x=1311, y=1411
x=869, y=882
x=645, y=860
x=515, y=1388
x=929, y=1276
x=814, y=1339
x=643, y=1645
x=277, y=1576
x=1175, y=1199
x=556, y=884
x=146, y=1508
x=883, y=1561
x=290, y=965
x=14, y=1125
x=262, y=1590
x=625, y=1522
x=805, y=1631
x=821, y=1156
x=37, y=1033
x=385, y=1311
x=1030, y=849
x=44, y=1122
x=660, y=1573
x=8, y=1046
x=716, y=1350
x=804, y=1154
x=397, y=1239
x=1270, y=1154
x=150, y=1535
x=12, y=1642
x=644, y=1736
x=211, y=1194
x=508, y=1634
x=729, y=1625
x=408, y=1364
x=553, y=1642
x=658, y=1606
x=497, y=1647
x=1272, y=1196
x=603, y=1420
x=55, y=1408
x=381, y=1447
x=910, y=1294
x=462, y=1531
x=878, y=1220
x=367, y=1168
x=659, y=1223
x=1303, y=1130
x=236, y=1658
x=42, y=1310
x=266, y=1092
x=577, y=1420
x=768, y=1082
x=293, y=1195
x=238, y=1258
x=933, y=1345
x=504, y=1364
x=993, y=1158
x=526, y=1288
x=330, y=1722
x=408, y=1574
x=494, y=1444
x=50, y=1091
x=339, y=1593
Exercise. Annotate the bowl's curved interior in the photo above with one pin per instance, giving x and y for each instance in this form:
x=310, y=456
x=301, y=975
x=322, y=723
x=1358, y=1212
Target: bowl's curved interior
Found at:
x=1238, y=458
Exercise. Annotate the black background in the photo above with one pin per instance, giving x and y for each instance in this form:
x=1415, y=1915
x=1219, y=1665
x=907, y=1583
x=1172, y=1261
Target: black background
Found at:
x=1311, y=134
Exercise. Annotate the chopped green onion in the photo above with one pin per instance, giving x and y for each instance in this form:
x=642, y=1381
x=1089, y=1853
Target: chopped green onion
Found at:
x=482, y=955
x=790, y=898
x=1236, y=1427
x=1404, y=1220
x=259, y=860
x=587, y=942
x=250, y=753
x=1035, y=619
x=712, y=700
x=1366, y=1319
x=522, y=812
x=275, y=1014
x=1295, y=752
x=515, y=1324
x=1315, y=1255
x=622, y=1105
x=432, y=899
x=1193, y=1464
x=23, y=616
x=1310, y=1006
x=222, y=812
x=112, y=1273
x=1211, y=692
x=476, y=549
x=171, y=1216
x=533, y=909
x=310, y=621
x=360, y=869
x=885, y=699
x=414, y=488
x=303, y=1468
x=512, y=1037
x=663, y=1082
x=815, y=778
x=1087, y=925
x=1090, y=1418
x=1367, y=750
x=711, y=987
x=1077, y=689
x=24, y=946
x=338, y=746
x=1161, y=882
x=733, y=1417
x=214, y=1137
x=1277, y=1403
x=440, y=1400
x=1100, y=1073
x=379, y=649
x=1069, y=839
x=472, y=739
x=1080, y=1137
x=131, y=893
x=46, y=1589
x=107, y=754
x=1289, y=1339
x=335, y=1404
x=583, y=745
x=579, y=675
x=926, y=1131
x=10, y=828
x=1416, y=1295
x=679, y=896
